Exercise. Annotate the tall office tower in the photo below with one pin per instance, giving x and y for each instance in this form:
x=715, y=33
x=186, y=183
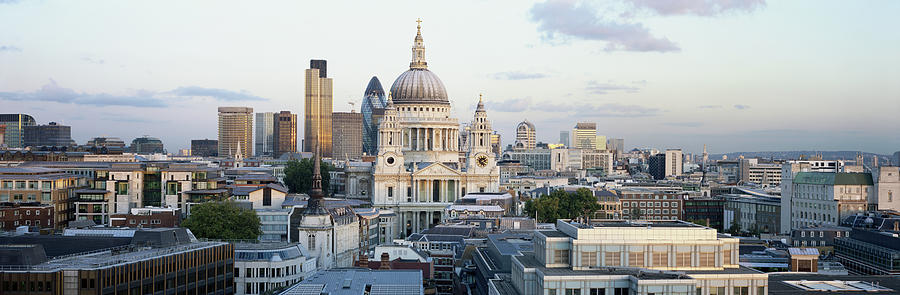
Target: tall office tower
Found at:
x=147, y=145
x=372, y=110
x=525, y=134
x=15, y=126
x=265, y=134
x=585, y=136
x=235, y=131
x=601, y=142
x=564, y=138
x=656, y=166
x=51, y=134
x=495, y=143
x=617, y=145
x=205, y=147
x=674, y=162
x=348, y=135
x=285, y=133
x=317, y=109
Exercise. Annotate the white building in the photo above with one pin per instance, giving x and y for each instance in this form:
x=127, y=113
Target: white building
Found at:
x=888, y=187
x=421, y=166
x=578, y=159
x=826, y=198
x=260, y=267
x=525, y=136
x=674, y=162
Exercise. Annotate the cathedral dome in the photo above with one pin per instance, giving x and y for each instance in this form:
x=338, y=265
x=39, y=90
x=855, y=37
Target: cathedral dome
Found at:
x=418, y=86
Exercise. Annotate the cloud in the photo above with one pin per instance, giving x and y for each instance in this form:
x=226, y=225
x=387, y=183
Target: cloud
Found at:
x=696, y=7
x=568, y=18
x=517, y=75
x=604, y=88
x=216, y=93
x=519, y=105
x=9, y=48
x=710, y=106
x=51, y=92
x=741, y=106
x=93, y=60
x=684, y=124
x=9, y=1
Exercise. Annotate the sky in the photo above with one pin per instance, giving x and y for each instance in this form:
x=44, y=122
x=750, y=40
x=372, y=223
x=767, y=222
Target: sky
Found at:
x=737, y=75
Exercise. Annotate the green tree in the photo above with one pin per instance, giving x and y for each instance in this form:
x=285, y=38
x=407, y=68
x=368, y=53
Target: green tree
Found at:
x=562, y=204
x=735, y=229
x=298, y=175
x=223, y=221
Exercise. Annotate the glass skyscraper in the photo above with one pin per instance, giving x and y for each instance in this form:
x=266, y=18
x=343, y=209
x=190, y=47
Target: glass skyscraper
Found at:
x=372, y=110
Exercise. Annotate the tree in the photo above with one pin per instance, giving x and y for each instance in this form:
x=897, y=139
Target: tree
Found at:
x=735, y=229
x=298, y=176
x=562, y=204
x=223, y=221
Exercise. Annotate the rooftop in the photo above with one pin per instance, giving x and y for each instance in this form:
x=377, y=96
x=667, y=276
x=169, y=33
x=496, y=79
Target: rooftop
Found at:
x=358, y=281
x=810, y=283
x=829, y=178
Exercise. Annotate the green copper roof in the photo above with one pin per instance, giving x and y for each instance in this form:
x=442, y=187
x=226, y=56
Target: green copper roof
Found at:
x=828, y=178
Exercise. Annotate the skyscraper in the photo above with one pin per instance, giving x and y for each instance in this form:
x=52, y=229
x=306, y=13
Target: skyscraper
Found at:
x=317, y=109
x=564, y=138
x=674, y=162
x=235, y=131
x=285, y=133
x=656, y=166
x=525, y=134
x=372, y=110
x=348, y=135
x=265, y=134
x=15, y=126
x=585, y=136
x=617, y=145
x=52, y=134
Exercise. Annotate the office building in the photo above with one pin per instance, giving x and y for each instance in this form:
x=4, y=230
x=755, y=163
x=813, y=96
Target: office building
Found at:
x=617, y=145
x=581, y=159
x=147, y=145
x=157, y=261
x=348, y=135
x=826, y=198
x=318, y=109
x=263, y=267
x=360, y=282
x=15, y=129
x=41, y=185
x=870, y=252
x=674, y=162
x=564, y=138
x=285, y=133
x=51, y=134
x=107, y=142
x=33, y=214
x=372, y=110
x=601, y=142
x=789, y=171
x=584, y=136
x=235, y=131
x=421, y=165
x=265, y=134
x=496, y=145
x=644, y=204
x=656, y=166
x=887, y=185
x=706, y=210
x=537, y=159
x=753, y=213
x=525, y=136
x=204, y=147
x=622, y=257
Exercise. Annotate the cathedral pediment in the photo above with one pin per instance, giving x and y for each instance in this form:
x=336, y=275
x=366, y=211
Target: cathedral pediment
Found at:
x=436, y=169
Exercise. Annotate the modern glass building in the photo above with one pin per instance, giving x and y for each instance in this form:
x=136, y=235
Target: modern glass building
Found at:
x=372, y=110
x=265, y=134
x=147, y=145
x=15, y=125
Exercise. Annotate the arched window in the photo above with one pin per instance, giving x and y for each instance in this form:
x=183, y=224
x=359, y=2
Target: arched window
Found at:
x=312, y=242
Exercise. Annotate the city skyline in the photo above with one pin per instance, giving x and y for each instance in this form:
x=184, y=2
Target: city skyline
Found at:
x=754, y=76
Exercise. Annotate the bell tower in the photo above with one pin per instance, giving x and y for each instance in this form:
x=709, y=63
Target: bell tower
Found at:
x=479, y=141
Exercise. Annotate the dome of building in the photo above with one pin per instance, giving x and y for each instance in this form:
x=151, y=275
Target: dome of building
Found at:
x=418, y=85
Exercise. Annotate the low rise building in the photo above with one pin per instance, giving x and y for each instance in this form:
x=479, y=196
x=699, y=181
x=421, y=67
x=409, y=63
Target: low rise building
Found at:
x=870, y=252
x=360, y=282
x=752, y=213
x=42, y=185
x=148, y=217
x=645, y=204
x=37, y=215
x=262, y=267
x=472, y=211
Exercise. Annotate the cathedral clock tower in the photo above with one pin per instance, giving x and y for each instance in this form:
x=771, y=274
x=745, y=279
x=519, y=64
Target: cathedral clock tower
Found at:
x=480, y=158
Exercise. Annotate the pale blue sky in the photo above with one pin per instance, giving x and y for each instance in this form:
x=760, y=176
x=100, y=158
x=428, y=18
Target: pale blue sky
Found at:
x=785, y=75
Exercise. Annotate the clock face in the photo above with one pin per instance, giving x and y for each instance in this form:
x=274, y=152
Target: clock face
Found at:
x=482, y=160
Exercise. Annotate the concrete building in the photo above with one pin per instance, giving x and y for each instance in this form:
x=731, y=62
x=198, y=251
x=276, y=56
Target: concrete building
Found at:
x=525, y=136
x=887, y=185
x=565, y=138
x=52, y=134
x=617, y=145
x=285, y=133
x=14, y=136
x=709, y=210
x=584, y=136
x=656, y=166
x=870, y=252
x=496, y=144
x=347, y=130
x=621, y=257
x=825, y=198
x=318, y=109
x=754, y=214
x=537, y=159
x=643, y=204
x=204, y=147
x=262, y=267
x=41, y=185
x=264, y=134
x=235, y=131
x=580, y=159
x=601, y=142
x=360, y=282
x=147, y=145
x=819, y=236
x=107, y=142
x=789, y=171
x=674, y=162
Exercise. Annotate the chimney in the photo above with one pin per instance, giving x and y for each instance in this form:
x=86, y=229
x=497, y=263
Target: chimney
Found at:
x=363, y=260
x=385, y=261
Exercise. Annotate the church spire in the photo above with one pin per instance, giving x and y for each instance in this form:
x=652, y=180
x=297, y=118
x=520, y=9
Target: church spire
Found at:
x=418, y=49
x=314, y=205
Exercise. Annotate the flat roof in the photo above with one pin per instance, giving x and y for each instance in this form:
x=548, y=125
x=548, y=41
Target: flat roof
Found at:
x=357, y=280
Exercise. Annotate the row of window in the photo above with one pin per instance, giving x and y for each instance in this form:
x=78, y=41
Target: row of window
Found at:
x=266, y=272
x=651, y=211
x=16, y=212
x=651, y=204
x=24, y=184
x=591, y=291
x=31, y=197
x=27, y=222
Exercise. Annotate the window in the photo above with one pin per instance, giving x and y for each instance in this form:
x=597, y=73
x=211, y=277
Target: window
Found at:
x=727, y=257
x=588, y=258
x=683, y=259
x=573, y=291
x=390, y=192
x=707, y=259
x=561, y=256
x=717, y=291
x=636, y=259
x=312, y=242
x=45, y=196
x=741, y=290
x=621, y=291
x=660, y=259
x=597, y=291
x=613, y=259
x=760, y=290
x=551, y=291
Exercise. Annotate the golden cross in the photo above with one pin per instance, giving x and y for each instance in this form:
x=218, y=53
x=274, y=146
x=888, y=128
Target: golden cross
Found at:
x=418, y=21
